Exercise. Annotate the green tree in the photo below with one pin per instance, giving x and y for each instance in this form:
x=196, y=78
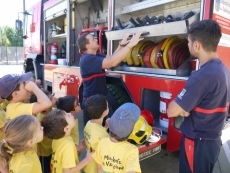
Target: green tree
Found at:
x=10, y=37
x=4, y=41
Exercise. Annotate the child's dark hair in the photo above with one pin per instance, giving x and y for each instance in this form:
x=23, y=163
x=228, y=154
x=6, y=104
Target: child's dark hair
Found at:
x=17, y=132
x=10, y=97
x=95, y=106
x=113, y=135
x=66, y=103
x=33, y=97
x=54, y=123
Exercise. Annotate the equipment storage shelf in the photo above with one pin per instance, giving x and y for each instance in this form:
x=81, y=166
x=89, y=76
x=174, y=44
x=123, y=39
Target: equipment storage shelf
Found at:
x=183, y=71
x=173, y=28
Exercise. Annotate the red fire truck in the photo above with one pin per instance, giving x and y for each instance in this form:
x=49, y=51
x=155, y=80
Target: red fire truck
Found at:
x=152, y=74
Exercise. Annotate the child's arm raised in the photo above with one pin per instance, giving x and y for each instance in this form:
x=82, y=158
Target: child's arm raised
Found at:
x=81, y=164
x=43, y=102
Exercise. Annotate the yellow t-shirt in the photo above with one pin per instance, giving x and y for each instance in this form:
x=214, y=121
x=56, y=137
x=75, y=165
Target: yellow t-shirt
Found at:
x=75, y=133
x=4, y=104
x=45, y=146
x=64, y=154
x=93, y=133
x=2, y=121
x=119, y=157
x=25, y=162
x=14, y=110
x=40, y=116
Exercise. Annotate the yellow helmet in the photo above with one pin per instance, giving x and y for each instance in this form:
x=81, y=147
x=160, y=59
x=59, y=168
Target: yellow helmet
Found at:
x=141, y=132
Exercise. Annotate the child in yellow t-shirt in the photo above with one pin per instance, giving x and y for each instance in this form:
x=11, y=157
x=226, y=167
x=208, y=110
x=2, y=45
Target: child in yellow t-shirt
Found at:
x=44, y=147
x=4, y=104
x=20, y=136
x=16, y=89
x=114, y=153
x=2, y=119
x=96, y=108
x=70, y=104
x=57, y=126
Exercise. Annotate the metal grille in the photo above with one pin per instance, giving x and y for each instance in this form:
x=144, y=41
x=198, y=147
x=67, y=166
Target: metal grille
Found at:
x=11, y=55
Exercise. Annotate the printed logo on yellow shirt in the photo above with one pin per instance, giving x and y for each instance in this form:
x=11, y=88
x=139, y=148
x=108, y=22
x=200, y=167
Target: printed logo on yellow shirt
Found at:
x=112, y=162
x=53, y=169
x=53, y=161
x=8, y=119
x=87, y=136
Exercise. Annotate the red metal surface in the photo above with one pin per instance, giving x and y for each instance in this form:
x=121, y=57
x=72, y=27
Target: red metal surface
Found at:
x=207, y=9
x=33, y=42
x=223, y=53
x=65, y=80
x=136, y=83
x=223, y=20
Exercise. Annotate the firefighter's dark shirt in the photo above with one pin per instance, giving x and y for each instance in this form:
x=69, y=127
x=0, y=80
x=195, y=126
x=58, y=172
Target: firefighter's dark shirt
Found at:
x=94, y=77
x=205, y=96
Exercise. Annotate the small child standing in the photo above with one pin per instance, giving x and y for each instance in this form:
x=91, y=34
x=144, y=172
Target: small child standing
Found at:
x=57, y=126
x=4, y=103
x=44, y=147
x=96, y=108
x=69, y=104
x=2, y=118
x=17, y=89
x=2, y=123
x=20, y=136
x=114, y=153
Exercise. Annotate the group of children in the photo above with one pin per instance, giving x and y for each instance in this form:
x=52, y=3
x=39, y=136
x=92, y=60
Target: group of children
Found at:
x=32, y=112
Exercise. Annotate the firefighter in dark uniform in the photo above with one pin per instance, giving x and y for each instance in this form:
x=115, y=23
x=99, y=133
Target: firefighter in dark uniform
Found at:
x=93, y=64
x=203, y=102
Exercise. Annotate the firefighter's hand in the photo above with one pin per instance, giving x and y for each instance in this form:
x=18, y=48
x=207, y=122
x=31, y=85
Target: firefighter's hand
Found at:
x=125, y=40
x=184, y=114
x=30, y=86
x=135, y=39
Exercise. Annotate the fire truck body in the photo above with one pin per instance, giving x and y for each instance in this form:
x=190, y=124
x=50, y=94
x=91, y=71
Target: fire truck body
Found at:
x=60, y=22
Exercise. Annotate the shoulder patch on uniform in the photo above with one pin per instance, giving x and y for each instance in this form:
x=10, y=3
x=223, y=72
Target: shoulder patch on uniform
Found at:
x=181, y=94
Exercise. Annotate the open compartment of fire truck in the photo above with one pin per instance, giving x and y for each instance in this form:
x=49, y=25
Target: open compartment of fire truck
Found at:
x=164, y=49
x=55, y=27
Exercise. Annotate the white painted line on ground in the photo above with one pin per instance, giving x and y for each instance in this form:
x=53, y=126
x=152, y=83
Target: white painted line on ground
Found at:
x=225, y=138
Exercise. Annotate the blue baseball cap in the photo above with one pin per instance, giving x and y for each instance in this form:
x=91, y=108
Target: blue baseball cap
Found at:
x=9, y=82
x=123, y=120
